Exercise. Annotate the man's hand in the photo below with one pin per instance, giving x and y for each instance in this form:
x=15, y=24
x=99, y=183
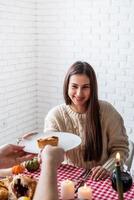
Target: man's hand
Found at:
x=51, y=154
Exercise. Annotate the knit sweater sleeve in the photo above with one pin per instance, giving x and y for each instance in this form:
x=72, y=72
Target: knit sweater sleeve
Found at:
x=54, y=120
x=117, y=137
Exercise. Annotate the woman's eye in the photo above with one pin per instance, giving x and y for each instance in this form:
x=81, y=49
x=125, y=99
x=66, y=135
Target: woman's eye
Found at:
x=74, y=86
x=85, y=87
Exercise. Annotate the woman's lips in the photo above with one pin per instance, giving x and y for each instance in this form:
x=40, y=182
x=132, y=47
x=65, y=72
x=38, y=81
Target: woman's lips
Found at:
x=79, y=99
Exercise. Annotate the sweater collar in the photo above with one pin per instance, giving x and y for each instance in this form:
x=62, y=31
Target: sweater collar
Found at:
x=75, y=114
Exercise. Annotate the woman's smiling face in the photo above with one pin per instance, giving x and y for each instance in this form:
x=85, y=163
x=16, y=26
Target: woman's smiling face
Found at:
x=79, y=91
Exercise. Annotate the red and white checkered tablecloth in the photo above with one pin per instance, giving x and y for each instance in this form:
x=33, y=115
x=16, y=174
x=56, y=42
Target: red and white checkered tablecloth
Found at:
x=102, y=190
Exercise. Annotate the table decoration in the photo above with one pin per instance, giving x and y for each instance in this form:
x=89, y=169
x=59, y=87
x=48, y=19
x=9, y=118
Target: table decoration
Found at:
x=85, y=192
x=126, y=180
x=18, y=169
x=32, y=165
x=67, y=189
x=119, y=184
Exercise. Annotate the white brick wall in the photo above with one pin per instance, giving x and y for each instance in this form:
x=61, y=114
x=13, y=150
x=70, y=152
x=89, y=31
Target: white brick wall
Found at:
x=99, y=32
x=38, y=42
x=17, y=68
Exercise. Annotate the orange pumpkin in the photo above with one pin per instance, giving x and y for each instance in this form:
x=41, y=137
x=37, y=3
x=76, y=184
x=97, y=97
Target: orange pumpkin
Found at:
x=18, y=169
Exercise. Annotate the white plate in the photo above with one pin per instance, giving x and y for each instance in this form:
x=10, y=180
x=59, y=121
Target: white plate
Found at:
x=66, y=140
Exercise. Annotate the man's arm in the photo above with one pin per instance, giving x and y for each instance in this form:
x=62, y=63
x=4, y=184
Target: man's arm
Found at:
x=47, y=185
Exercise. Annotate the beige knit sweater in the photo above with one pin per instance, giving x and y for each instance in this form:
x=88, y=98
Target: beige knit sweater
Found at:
x=62, y=118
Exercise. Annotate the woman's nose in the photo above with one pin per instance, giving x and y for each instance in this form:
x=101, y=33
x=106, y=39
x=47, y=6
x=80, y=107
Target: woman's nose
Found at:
x=79, y=92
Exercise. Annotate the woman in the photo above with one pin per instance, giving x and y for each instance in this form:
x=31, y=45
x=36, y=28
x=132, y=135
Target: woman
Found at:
x=99, y=125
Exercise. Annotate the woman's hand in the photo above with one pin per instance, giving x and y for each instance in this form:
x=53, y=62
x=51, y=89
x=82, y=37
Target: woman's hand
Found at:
x=13, y=154
x=99, y=173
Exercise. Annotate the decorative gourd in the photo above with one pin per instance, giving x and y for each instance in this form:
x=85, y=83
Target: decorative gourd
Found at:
x=32, y=165
x=18, y=169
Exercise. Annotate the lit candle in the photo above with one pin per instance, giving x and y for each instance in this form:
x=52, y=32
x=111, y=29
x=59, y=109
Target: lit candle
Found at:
x=118, y=177
x=85, y=192
x=67, y=189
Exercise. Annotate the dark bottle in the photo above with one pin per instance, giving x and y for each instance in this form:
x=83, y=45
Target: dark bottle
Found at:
x=126, y=180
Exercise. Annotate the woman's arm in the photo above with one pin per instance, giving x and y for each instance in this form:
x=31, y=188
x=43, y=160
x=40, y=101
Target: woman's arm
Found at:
x=117, y=141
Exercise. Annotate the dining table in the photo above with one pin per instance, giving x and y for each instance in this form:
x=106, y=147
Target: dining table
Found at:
x=101, y=190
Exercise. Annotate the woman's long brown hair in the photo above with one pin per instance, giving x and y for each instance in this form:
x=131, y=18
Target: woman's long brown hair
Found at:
x=93, y=133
